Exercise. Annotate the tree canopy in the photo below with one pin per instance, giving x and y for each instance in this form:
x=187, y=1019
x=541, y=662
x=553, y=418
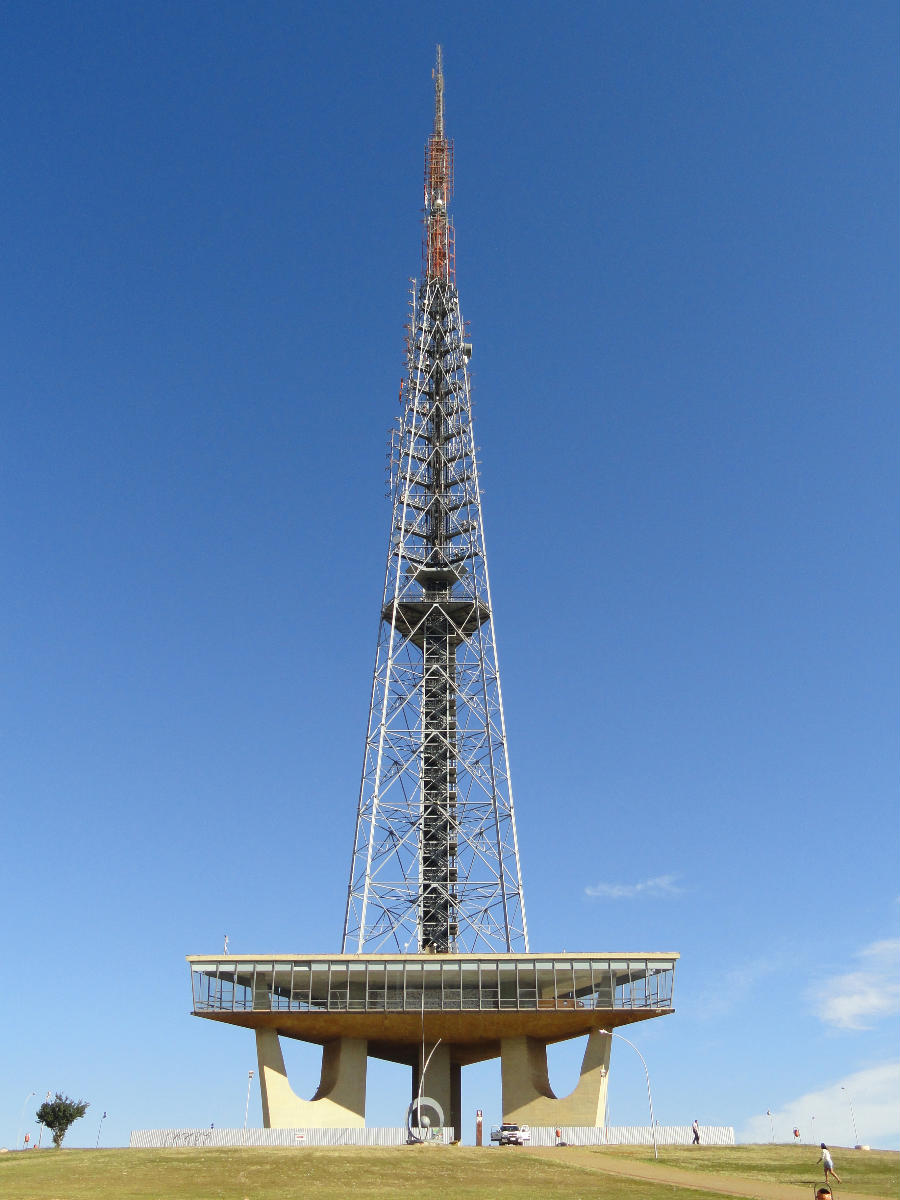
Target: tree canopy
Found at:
x=59, y=1113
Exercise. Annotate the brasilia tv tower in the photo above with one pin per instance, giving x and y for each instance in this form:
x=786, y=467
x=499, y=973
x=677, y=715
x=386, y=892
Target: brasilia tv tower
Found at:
x=435, y=969
x=436, y=862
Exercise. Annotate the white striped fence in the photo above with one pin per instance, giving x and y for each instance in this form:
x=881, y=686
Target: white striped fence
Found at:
x=631, y=1135
x=541, y=1135
x=157, y=1139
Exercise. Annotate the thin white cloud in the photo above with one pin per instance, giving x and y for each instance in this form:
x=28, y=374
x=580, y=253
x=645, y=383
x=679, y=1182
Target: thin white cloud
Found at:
x=863, y=1106
x=857, y=998
x=660, y=885
x=735, y=986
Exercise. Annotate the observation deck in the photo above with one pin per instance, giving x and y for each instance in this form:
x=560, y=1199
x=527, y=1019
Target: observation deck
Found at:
x=460, y=615
x=468, y=1001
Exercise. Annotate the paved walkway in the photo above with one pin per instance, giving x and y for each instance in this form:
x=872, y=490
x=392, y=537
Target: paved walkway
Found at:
x=707, y=1181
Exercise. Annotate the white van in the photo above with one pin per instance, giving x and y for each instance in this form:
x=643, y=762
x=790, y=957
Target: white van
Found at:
x=511, y=1135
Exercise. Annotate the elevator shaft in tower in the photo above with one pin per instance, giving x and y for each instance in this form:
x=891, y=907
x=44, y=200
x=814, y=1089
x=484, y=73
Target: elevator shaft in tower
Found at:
x=439, y=925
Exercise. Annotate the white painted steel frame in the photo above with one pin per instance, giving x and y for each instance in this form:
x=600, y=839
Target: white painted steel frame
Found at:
x=384, y=901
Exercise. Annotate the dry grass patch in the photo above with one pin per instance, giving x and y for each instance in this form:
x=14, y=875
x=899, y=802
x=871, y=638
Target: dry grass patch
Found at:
x=871, y=1172
x=413, y=1173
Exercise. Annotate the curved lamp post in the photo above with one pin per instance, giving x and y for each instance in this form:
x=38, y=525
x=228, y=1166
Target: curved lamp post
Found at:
x=22, y=1118
x=41, y=1134
x=609, y=1033
x=417, y=1103
x=246, y=1108
x=425, y=1061
x=852, y=1117
x=247, y=1105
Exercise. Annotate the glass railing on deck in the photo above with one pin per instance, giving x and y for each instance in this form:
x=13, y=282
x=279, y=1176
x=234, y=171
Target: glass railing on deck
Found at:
x=449, y=986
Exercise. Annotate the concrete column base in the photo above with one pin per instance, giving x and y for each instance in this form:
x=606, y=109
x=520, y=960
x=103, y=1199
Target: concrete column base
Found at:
x=340, y=1100
x=443, y=1083
x=528, y=1098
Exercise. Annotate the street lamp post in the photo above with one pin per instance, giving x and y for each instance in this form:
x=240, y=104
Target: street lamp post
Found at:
x=417, y=1103
x=425, y=1063
x=99, y=1127
x=852, y=1118
x=609, y=1033
x=247, y=1105
x=22, y=1117
x=41, y=1134
x=771, y=1122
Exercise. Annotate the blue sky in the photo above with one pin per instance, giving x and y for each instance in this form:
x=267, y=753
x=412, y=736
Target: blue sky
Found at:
x=677, y=248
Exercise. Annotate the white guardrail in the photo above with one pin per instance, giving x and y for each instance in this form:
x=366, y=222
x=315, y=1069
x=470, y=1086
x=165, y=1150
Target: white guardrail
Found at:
x=156, y=1139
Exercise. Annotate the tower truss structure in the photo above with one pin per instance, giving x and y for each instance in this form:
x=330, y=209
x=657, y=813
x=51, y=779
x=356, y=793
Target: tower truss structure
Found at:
x=435, y=863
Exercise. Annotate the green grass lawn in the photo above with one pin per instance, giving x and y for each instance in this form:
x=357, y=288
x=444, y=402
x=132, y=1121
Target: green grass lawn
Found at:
x=873, y=1172
x=438, y=1173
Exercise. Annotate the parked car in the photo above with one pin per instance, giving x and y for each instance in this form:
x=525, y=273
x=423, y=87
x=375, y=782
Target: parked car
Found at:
x=511, y=1135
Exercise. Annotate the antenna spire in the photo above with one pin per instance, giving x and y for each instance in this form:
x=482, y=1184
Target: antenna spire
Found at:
x=438, y=76
x=439, y=249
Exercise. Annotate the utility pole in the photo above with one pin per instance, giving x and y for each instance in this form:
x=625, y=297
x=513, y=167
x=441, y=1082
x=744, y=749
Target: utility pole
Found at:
x=22, y=1118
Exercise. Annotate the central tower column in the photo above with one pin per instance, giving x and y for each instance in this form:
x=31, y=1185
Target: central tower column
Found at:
x=439, y=926
x=443, y=1083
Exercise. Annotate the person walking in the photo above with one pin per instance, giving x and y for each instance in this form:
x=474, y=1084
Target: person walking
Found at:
x=827, y=1162
x=695, y=1130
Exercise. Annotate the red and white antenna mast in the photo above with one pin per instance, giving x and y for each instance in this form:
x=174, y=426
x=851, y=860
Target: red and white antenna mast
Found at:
x=438, y=250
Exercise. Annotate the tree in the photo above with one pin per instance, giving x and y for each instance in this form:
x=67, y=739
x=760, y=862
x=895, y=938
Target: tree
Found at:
x=59, y=1113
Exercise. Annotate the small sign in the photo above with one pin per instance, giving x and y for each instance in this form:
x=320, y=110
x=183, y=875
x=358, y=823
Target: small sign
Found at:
x=299, y=1137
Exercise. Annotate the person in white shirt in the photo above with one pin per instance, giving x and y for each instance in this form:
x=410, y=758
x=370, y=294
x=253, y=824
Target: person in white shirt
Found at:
x=695, y=1130
x=827, y=1162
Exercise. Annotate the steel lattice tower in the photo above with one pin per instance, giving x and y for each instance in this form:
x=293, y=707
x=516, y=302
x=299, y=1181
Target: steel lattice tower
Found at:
x=435, y=970
x=435, y=861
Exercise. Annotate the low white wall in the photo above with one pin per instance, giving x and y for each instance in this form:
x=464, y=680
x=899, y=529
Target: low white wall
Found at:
x=632, y=1135
x=154, y=1139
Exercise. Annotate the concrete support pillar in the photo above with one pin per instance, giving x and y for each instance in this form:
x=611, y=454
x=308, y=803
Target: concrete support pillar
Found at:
x=443, y=1083
x=340, y=1100
x=528, y=1097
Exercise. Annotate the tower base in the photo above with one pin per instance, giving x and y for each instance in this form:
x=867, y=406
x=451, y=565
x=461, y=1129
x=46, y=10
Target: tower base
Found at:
x=443, y=1081
x=340, y=1099
x=466, y=1008
x=528, y=1098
